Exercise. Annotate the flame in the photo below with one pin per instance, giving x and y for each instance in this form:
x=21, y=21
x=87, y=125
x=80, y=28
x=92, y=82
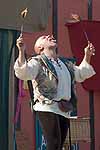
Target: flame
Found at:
x=76, y=17
x=24, y=13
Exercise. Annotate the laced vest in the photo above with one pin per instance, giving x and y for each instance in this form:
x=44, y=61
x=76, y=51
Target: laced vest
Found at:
x=45, y=84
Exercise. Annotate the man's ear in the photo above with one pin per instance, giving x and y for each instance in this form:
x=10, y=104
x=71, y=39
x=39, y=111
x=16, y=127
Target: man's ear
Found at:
x=41, y=48
x=38, y=49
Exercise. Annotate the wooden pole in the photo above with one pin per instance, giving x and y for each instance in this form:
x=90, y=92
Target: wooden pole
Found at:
x=91, y=95
x=55, y=18
x=92, y=130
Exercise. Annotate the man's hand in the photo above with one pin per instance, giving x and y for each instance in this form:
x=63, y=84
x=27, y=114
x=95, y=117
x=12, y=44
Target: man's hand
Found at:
x=20, y=44
x=89, y=51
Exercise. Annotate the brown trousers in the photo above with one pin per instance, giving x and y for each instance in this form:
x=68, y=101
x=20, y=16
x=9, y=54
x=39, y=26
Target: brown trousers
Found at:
x=54, y=129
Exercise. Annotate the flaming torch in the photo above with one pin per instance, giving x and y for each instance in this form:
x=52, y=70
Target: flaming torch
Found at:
x=77, y=18
x=23, y=15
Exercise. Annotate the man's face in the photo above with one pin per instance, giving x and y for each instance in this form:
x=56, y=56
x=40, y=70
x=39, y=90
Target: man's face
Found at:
x=47, y=42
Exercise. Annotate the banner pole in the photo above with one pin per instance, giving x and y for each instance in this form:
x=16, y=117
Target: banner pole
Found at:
x=91, y=94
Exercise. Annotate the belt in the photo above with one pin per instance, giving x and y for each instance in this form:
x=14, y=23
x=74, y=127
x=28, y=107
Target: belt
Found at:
x=49, y=102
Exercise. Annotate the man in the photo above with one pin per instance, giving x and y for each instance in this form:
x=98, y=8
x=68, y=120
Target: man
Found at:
x=52, y=79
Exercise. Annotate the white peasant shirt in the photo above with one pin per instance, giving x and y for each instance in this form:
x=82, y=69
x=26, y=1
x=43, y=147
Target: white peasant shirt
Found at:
x=29, y=71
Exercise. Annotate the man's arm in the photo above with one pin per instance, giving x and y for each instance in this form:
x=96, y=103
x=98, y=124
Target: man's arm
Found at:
x=21, y=47
x=25, y=70
x=85, y=70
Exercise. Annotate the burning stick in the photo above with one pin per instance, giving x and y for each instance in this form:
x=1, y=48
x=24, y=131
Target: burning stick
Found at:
x=23, y=15
x=77, y=18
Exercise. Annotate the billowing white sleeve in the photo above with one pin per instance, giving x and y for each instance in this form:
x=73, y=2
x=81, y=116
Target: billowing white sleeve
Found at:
x=83, y=71
x=27, y=71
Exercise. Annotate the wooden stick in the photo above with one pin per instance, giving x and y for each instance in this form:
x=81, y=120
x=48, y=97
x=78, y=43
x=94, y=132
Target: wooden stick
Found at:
x=23, y=15
x=77, y=18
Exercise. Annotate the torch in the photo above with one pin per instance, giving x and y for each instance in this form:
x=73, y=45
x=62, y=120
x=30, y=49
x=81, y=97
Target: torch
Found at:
x=77, y=18
x=23, y=16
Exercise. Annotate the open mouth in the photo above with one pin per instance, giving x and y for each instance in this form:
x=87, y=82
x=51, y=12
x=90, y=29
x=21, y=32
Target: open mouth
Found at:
x=54, y=41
